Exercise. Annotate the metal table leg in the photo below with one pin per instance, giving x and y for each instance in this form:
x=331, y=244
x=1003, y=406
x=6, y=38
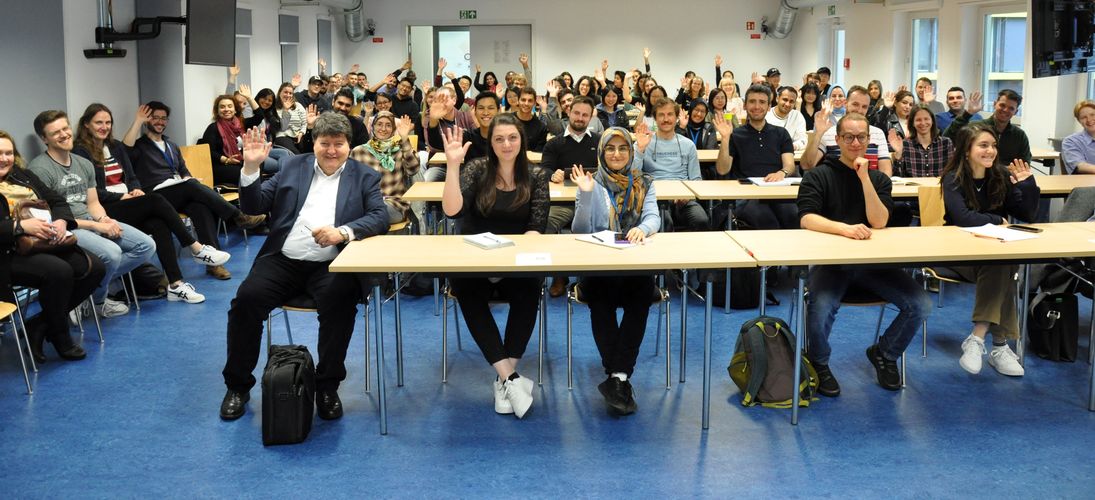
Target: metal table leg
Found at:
x=707, y=357
x=684, y=320
x=763, y=290
x=1091, y=360
x=398, y=336
x=799, y=341
x=1024, y=313
x=382, y=388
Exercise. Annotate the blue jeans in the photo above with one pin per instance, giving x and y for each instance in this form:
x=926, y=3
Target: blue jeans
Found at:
x=828, y=284
x=273, y=162
x=119, y=256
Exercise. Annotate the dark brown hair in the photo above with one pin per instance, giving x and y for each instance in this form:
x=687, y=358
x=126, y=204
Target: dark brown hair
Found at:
x=484, y=199
x=996, y=177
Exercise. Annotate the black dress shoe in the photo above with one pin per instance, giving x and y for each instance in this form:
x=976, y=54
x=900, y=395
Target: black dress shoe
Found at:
x=827, y=385
x=73, y=353
x=36, y=337
x=233, y=406
x=328, y=406
x=618, y=395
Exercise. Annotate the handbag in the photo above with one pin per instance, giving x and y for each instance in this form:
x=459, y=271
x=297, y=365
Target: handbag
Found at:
x=27, y=244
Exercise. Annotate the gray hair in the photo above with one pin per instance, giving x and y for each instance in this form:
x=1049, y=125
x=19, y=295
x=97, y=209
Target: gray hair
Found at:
x=331, y=123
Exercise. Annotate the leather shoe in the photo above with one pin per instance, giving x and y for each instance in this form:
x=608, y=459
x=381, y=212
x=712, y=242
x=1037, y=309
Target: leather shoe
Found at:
x=233, y=406
x=73, y=353
x=36, y=337
x=558, y=287
x=328, y=405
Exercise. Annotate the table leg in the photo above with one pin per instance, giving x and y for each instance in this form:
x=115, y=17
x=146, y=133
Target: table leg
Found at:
x=799, y=341
x=763, y=290
x=729, y=226
x=684, y=320
x=1024, y=313
x=707, y=357
x=1091, y=360
x=398, y=336
x=382, y=389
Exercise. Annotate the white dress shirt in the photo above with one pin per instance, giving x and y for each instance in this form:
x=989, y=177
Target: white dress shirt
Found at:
x=318, y=211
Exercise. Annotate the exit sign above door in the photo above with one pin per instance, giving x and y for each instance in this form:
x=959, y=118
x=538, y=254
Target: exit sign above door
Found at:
x=468, y=14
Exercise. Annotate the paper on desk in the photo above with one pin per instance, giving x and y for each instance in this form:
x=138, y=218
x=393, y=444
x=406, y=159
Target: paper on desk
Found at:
x=605, y=238
x=999, y=232
x=533, y=259
x=789, y=181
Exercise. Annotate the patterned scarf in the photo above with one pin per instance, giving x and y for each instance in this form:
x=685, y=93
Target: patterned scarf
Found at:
x=385, y=150
x=627, y=187
x=230, y=131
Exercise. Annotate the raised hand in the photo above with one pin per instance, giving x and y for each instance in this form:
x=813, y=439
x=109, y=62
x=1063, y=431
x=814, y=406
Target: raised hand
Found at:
x=1019, y=170
x=455, y=150
x=404, y=126
x=888, y=99
x=441, y=63
x=406, y=65
x=312, y=115
x=450, y=75
x=976, y=103
x=233, y=71
x=755, y=78
x=902, y=87
x=355, y=67
x=440, y=106
x=718, y=59
x=682, y=119
x=579, y=176
x=369, y=107
x=255, y=148
x=642, y=135
x=706, y=89
x=523, y=59
x=686, y=83
x=478, y=68
x=390, y=80
x=144, y=113
x=552, y=87
x=245, y=90
x=641, y=108
x=895, y=141
x=322, y=65
x=295, y=80
x=646, y=53
x=929, y=94
x=604, y=65
x=723, y=127
x=542, y=103
x=821, y=118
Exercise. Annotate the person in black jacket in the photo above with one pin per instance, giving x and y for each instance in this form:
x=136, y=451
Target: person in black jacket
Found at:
x=697, y=129
x=120, y=192
x=64, y=278
x=977, y=190
x=609, y=111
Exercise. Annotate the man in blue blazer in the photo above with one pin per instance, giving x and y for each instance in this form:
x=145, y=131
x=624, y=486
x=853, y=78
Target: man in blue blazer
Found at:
x=317, y=203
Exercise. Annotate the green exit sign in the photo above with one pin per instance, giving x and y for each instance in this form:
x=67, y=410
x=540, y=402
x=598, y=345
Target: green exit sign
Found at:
x=832, y=10
x=468, y=14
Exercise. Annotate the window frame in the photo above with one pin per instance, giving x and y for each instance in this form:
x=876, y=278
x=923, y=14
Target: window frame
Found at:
x=914, y=73
x=987, y=76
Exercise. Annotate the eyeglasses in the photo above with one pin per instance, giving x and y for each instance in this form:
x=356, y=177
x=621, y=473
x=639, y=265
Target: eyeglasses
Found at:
x=611, y=150
x=155, y=118
x=849, y=138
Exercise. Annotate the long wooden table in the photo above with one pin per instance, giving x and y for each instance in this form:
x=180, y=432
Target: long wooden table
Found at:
x=561, y=192
x=565, y=254
x=438, y=158
x=913, y=246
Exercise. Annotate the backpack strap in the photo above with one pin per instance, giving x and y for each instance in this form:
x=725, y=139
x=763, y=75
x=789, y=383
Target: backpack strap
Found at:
x=754, y=336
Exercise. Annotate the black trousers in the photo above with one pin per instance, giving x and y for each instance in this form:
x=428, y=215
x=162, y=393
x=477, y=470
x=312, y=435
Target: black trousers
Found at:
x=618, y=343
x=203, y=205
x=523, y=295
x=60, y=287
x=688, y=216
x=768, y=214
x=273, y=281
x=153, y=214
x=287, y=143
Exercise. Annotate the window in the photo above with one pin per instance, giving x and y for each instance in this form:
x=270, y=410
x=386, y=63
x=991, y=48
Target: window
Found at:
x=1004, y=59
x=323, y=44
x=289, y=38
x=243, y=46
x=925, y=50
x=1091, y=85
x=838, y=53
x=454, y=44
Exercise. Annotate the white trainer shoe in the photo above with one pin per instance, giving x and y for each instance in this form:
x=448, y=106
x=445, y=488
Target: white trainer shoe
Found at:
x=519, y=394
x=185, y=293
x=111, y=308
x=501, y=404
x=972, y=350
x=211, y=256
x=1006, y=361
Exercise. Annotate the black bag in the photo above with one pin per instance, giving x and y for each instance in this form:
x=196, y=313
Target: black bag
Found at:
x=150, y=281
x=744, y=287
x=288, y=395
x=1053, y=326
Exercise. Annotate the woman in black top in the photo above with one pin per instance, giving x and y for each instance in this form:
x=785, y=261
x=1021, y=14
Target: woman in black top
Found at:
x=490, y=81
x=64, y=278
x=810, y=104
x=500, y=194
x=976, y=191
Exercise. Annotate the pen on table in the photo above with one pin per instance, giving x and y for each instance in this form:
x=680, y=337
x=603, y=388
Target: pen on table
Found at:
x=988, y=237
x=492, y=238
x=597, y=238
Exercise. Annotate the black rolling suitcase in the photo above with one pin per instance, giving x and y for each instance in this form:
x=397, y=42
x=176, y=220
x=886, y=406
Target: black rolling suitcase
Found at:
x=288, y=395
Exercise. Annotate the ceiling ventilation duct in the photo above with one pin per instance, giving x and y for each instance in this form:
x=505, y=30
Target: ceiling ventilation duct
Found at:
x=788, y=11
x=352, y=10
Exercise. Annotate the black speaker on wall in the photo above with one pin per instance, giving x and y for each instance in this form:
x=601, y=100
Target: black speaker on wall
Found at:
x=211, y=32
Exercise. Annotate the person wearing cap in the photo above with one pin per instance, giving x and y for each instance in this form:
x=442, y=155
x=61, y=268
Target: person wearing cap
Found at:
x=314, y=95
x=773, y=77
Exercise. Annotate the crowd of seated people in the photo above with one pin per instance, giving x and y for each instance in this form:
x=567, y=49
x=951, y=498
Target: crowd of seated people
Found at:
x=611, y=133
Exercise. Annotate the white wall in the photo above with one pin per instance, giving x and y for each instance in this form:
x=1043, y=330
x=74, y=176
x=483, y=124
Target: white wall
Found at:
x=109, y=81
x=575, y=35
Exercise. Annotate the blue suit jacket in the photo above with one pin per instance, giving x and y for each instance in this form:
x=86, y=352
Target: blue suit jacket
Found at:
x=360, y=204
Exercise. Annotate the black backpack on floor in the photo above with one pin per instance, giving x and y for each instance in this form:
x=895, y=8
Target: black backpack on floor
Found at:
x=288, y=395
x=1053, y=326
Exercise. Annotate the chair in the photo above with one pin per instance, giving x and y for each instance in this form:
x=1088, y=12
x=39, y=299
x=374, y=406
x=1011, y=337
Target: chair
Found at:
x=661, y=296
x=446, y=294
x=200, y=164
x=24, y=296
x=932, y=210
x=9, y=312
x=305, y=303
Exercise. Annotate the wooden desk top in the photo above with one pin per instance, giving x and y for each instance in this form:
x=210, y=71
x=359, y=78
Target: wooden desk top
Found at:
x=1044, y=154
x=438, y=158
x=712, y=155
x=734, y=190
x=665, y=190
x=450, y=254
x=912, y=246
x=1062, y=185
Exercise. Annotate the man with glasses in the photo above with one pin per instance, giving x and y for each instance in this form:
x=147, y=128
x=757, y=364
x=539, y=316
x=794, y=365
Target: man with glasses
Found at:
x=844, y=196
x=159, y=165
x=823, y=144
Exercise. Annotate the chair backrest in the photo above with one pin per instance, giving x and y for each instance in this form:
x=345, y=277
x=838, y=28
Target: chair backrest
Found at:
x=931, y=205
x=199, y=162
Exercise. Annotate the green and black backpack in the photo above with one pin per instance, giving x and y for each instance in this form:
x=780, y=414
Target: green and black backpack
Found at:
x=763, y=365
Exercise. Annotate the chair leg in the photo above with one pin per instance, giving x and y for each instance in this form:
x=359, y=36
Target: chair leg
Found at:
x=398, y=336
x=445, y=338
x=436, y=296
x=939, y=296
x=570, y=339
x=22, y=321
x=288, y=330
x=19, y=347
x=368, y=361
x=878, y=327
x=269, y=331
x=540, y=348
x=684, y=323
x=133, y=288
x=924, y=333
x=668, y=357
x=95, y=314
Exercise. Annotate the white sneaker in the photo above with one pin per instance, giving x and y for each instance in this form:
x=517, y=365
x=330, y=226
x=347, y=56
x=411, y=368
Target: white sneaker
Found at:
x=211, y=256
x=972, y=350
x=111, y=308
x=519, y=395
x=1005, y=361
x=501, y=404
x=184, y=292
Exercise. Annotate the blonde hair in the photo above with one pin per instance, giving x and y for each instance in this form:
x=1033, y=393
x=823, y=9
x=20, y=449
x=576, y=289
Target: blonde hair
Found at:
x=1086, y=103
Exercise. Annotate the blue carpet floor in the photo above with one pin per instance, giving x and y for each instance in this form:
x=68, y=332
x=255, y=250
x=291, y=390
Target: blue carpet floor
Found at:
x=138, y=418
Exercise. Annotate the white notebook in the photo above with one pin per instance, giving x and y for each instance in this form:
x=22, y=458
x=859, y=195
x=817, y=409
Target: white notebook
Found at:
x=999, y=233
x=488, y=241
x=788, y=181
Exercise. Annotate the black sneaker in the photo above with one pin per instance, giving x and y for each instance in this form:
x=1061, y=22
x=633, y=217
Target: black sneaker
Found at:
x=827, y=385
x=618, y=395
x=886, y=370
